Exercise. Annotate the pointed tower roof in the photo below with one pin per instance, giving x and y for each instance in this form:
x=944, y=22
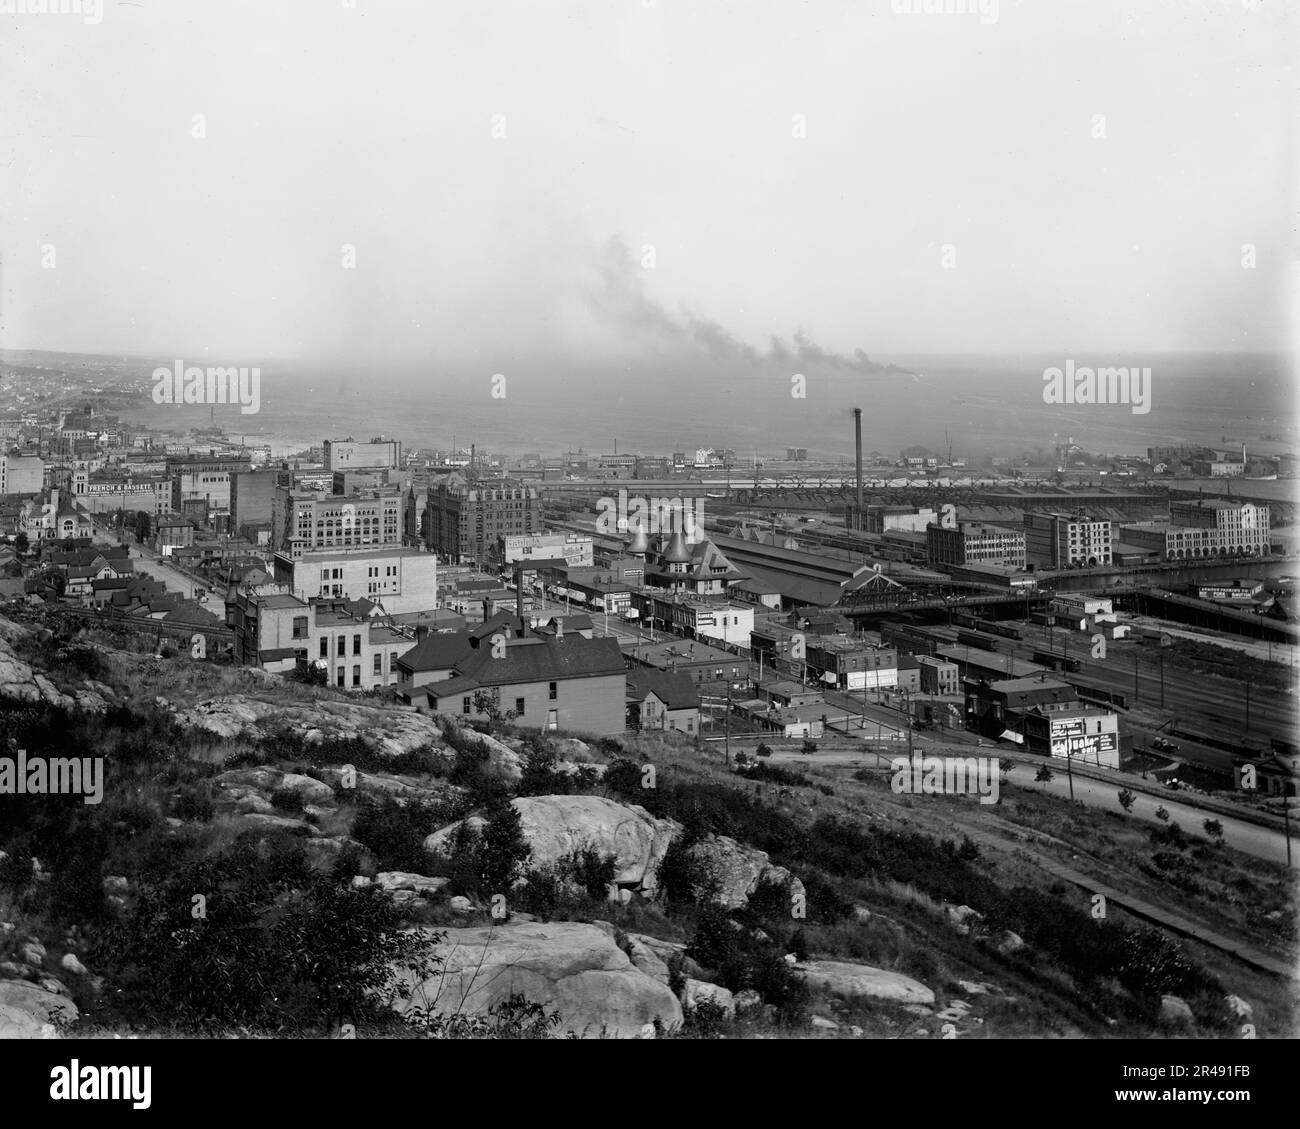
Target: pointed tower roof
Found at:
x=640, y=543
x=677, y=552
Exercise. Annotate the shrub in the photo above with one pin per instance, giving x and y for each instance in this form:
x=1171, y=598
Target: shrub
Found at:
x=395, y=832
x=194, y=803
x=286, y=799
x=487, y=862
x=799, y=946
x=590, y=870
x=504, y=849
x=763, y=750
x=770, y=900
x=276, y=950
x=775, y=774
x=623, y=777
x=540, y=893
x=1125, y=798
x=242, y=758
x=683, y=877
x=826, y=905
x=1170, y=836
x=742, y=962
x=706, y=1020
x=512, y=1018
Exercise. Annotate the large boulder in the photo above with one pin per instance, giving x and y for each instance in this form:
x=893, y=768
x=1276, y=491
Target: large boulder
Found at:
x=646, y=959
x=311, y=790
x=555, y=826
x=568, y=967
x=665, y=951
x=853, y=982
x=440, y=842
x=701, y=991
x=390, y=728
x=392, y=881
x=505, y=763
x=740, y=869
x=25, y=1009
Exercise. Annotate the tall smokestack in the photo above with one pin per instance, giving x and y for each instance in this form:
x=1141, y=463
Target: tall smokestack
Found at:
x=519, y=593
x=857, y=439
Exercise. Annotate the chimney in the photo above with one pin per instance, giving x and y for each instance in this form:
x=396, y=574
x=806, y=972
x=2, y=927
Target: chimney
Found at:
x=857, y=439
x=519, y=593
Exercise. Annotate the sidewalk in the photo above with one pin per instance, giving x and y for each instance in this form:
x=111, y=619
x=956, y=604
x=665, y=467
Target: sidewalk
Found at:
x=1192, y=799
x=1248, y=954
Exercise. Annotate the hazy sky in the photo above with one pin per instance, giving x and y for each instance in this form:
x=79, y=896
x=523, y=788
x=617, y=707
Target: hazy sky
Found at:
x=630, y=123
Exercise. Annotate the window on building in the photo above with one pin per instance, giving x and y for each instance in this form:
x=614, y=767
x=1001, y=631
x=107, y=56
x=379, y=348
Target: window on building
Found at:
x=356, y=676
x=553, y=691
x=356, y=644
x=342, y=676
x=300, y=627
x=519, y=707
x=324, y=646
x=379, y=663
x=464, y=705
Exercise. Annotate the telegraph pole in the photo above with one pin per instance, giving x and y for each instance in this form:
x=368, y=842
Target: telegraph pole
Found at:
x=1286, y=822
x=727, y=753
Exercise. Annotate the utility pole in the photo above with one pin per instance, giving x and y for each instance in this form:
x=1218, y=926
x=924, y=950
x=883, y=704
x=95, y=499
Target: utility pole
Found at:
x=1286, y=822
x=1247, y=707
x=1162, y=681
x=1069, y=764
x=727, y=754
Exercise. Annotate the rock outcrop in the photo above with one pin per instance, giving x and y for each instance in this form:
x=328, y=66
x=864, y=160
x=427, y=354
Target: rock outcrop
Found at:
x=740, y=869
x=574, y=969
x=391, y=729
x=555, y=826
x=27, y=1010
x=852, y=982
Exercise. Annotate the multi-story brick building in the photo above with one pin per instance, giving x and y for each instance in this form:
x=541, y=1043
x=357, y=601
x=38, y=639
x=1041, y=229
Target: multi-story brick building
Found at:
x=575, y=549
x=1057, y=540
x=1239, y=527
x=402, y=580
x=304, y=522
x=1209, y=527
x=358, y=648
x=463, y=523
x=975, y=543
x=272, y=627
x=100, y=495
x=21, y=474
x=203, y=478
x=347, y=454
x=253, y=495
x=938, y=676
x=350, y=640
